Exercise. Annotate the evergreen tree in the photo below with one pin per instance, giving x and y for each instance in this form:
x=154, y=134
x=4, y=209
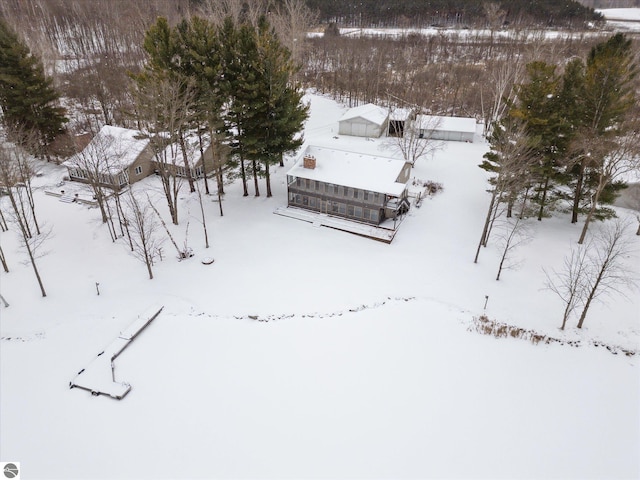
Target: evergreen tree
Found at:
x=28, y=100
x=202, y=60
x=165, y=54
x=278, y=114
x=538, y=103
x=606, y=97
x=239, y=64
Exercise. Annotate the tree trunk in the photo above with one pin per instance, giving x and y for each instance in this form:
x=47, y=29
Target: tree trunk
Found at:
x=4, y=261
x=204, y=161
x=486, y=225
x=267, y=178
x=578, y=193
x=254, y=168
x=594, y=204
x=589, y=299
x=187, y=164
x=243, y=174
x=544, y=198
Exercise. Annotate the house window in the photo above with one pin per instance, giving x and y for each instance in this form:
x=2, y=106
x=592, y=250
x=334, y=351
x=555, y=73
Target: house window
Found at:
x=366, y=196
x=334, y=207
x=350, y=210
x=355, y=193
x=307, y=183
x=367, y=214
x=335, y=189
x=358, y=212
x=312, y=202
x=317, y=186
x=138, y=170
x=345, y=192
x=298, y=199
x=305, y=200
x=326, y=187
x=298, y=182
x=376, y=198
x=343, y=209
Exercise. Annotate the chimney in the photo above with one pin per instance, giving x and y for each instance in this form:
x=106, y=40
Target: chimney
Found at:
x=309, y=161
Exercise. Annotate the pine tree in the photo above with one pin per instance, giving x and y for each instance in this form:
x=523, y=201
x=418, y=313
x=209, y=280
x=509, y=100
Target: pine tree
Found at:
x=607, y=96
x=279, y=113
x=538, y=109
x=239, y=64
x=28, y=100
x=201, y=60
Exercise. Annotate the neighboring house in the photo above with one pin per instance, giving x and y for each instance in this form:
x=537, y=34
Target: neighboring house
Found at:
x=361, y=187
x=173, y=158
x=114, y=158
x=399, y=120
x=364, y=121
x=456, y=129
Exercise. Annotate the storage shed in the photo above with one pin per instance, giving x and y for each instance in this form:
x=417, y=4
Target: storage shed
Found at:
x=453, y=129
x=364, y=121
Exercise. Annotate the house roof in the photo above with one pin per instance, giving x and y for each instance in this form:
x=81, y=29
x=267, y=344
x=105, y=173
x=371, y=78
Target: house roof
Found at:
x=111, y=150
x=369, y=112
x=446, y=124
x=192, y=146
x=356, y=170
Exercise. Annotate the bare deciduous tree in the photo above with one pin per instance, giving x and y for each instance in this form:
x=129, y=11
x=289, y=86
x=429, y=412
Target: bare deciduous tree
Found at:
x=510, y=161
x=622, y=156
x=143, y=226
x=95, y=164
x=593, y=270
x=607, y=273
x=516, y=232
x=163, y=107
x=415, y=141
x=568, y=284
x=10, y=180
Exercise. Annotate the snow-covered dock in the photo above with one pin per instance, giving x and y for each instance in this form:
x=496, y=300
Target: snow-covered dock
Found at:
x=99, y=376
x=323, y=220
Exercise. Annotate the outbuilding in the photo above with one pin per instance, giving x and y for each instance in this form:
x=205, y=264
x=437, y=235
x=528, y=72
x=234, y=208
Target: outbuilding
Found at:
x=453, y=129
x=367, y=120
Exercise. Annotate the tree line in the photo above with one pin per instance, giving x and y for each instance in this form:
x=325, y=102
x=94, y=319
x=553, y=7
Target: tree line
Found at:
x=388, y=13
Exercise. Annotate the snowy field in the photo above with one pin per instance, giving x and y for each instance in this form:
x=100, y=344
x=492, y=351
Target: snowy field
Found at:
x=622, y=19
x=363, y=365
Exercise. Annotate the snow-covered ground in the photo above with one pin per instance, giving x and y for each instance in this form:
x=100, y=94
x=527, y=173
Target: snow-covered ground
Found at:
x=623, y=19
x=363, y=365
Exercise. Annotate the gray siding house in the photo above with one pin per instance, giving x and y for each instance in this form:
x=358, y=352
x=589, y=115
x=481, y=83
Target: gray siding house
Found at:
x=356, y=186
x=114, y=158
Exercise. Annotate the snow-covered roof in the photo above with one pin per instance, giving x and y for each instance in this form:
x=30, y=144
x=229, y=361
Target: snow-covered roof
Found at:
x=111, y=150
x=192, y=146
x=400, y=113
x=356, y=170
x=369, y=112
x=446, y=124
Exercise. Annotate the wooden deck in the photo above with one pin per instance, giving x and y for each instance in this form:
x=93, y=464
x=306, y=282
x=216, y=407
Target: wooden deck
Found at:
x=99, y=376
x=381, y=234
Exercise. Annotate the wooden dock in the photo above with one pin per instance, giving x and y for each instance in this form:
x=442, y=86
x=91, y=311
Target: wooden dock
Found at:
x=99, y=376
